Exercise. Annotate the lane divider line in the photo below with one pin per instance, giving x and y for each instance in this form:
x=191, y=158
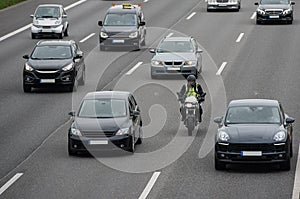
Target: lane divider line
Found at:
x=191, y=15
x=253, y=15
x=240, y=37
x=170, y=35
x=146, y=1
x=221, y=68
x=87, y=37
x=29, y=25
x=150, y=185
x=134, y=68
x=10, y=182
x=296, y=189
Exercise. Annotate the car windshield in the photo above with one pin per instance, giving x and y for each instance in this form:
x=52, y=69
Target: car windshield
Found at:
x=120, y=19
x=52, y=52
x=175, y=46
x=47, y=12
x=253, y=115
x=284, y=2
x=103, y=108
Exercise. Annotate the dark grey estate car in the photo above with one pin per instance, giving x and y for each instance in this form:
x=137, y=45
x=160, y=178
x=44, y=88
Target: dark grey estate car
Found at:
x=254, y=131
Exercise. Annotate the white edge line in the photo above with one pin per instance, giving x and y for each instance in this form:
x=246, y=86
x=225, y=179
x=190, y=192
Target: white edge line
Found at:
x=240, y=37
x=87, y=37
x=150, y=185
x=296, y=189
x=134, y=68
x=190, y=16
x=10, y=182
x=253, y=15
x=29, y=25
x=170, y=34
x=221, y=68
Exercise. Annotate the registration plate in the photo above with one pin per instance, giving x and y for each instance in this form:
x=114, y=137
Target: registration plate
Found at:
x=251, y=153
x=97, y=142
x=118, y=41
x=173, y=68
x=45, y=30
x=222, y=5
x=47, y=81
x=274, y=17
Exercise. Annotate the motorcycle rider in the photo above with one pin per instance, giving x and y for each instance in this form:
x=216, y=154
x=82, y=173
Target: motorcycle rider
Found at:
x=192, y=88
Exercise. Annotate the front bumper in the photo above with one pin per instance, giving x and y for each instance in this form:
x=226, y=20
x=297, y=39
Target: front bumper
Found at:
x=274, y=154
x=169, y=71
x=222, y=6
x=274, y=18
x=40, y=80
x=46, y=30
x=119, y=42
x=82, y=144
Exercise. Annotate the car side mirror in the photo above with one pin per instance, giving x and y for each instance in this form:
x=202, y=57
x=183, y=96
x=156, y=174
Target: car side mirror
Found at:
x=64, y=16
x=135, y=113
x=199, y=51
x=31, y=16
x=218, y=120
x=142, y=23
x=79, y=55
x=152, y=50
x=289, y=120
x=26, y=56
x=100, y=23
x=293, y=3
x=256, y=3
x=72, y=113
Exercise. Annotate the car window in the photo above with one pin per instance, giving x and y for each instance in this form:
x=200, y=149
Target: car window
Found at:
x=47, y=12
x=52, y=52
x=103, y=108
x=175, y=46
x=284, y=2
x=120, y=19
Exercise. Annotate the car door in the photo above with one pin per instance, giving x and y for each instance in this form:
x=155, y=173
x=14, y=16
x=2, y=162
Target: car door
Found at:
x=64, y=19
x=288, y=127
x=77, y=62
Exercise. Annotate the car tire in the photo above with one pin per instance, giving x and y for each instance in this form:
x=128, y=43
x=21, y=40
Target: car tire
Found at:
x=73, y=87
x=70, y=150
x=26, y=88
x=291, y=149
x=33, y=36
x=258, y=22
x=140, y=139
x=60, y=35
x=219, y=165
x=290, y=22
x=66, y=33
x=82, y=79
x=286, y=166
x=131, y=147
x=208, y=10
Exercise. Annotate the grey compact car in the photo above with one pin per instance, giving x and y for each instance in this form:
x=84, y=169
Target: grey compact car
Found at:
x=176, y=56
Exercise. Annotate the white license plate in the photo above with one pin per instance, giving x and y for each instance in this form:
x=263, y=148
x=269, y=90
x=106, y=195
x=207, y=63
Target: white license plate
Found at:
x=251, y=153
x=47, y=80
x=173, y=68
x=222, y=5
x=118, y=41
x=274, y=17
x=97, y=142
x=45, y=30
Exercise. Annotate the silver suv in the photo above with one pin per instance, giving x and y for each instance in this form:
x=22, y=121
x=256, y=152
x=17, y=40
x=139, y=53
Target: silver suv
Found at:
x=49, y=19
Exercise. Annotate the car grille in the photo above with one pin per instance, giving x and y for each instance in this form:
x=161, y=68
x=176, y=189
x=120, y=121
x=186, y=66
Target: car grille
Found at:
x=96, y=134
x=273, y=12
x=175, y=63
x=118, y=35
x=222, y=1
x=44, y=74
x=251, y=147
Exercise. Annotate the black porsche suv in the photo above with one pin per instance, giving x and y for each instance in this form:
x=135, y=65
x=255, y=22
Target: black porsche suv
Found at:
x=123, y=26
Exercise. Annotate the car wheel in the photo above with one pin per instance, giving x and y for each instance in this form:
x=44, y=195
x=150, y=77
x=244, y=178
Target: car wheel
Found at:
x=67, y=31
x=286, y=166
x=219, y=165
x=290, y=22
x=82, y=79
x=70, y=150
x=33, y=36
x=60, y=35
x=131, y=147
x=291, y=149
x=26, y=88
x=208, y=10
x=73, y=87
x=140, y=139
x=258, y=22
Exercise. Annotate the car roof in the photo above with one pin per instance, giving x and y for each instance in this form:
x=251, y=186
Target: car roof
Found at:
x=107, y=94
x=120, y=9
x=177, y=38
x=56, y=42
x=50, y=5
x=253, y=102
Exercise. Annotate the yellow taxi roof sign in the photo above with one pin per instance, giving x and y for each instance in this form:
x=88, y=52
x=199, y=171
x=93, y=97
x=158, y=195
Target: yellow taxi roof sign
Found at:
x=127, y=6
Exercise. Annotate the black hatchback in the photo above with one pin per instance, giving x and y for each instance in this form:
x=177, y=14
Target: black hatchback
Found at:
x=54, y=63
x=105, y=120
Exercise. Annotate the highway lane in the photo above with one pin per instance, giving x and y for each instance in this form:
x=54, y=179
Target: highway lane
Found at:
x=189, y=176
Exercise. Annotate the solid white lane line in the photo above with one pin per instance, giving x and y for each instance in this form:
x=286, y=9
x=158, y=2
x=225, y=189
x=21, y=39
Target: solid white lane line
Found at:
x=221, y=68
x=10, y=182
x=296, y=190
x=134, y=68
x=75, y=4
x=86, y=38
x=190, y=16
x=253, y=15
x=149, y=185
x=240, y=37
x=146, y=1
x=170, y=35
x=29, y=25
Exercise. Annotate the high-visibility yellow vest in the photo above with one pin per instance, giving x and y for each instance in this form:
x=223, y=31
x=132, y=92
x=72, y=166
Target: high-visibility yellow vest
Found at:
x=191, y=91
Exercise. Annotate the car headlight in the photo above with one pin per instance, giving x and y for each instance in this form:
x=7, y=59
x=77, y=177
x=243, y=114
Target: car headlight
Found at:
x=157, y=63
x=279, y=136
x=103, y=35
x=57, y=22
x=35, y=22
x=68, y=67
x=75, y=131
x=133, y=35
x=28, y=68
x=190, y=63
x=288, y=11
x=223, y=136
x=260, y=11
x=123, y=131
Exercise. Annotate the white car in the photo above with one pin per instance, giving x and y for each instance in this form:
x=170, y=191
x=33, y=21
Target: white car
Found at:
x=49, y=19
x=223, y=5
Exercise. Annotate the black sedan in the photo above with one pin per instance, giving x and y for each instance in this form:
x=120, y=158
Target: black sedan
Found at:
x=54, y=63
x=254, y=131
x=106, y=120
